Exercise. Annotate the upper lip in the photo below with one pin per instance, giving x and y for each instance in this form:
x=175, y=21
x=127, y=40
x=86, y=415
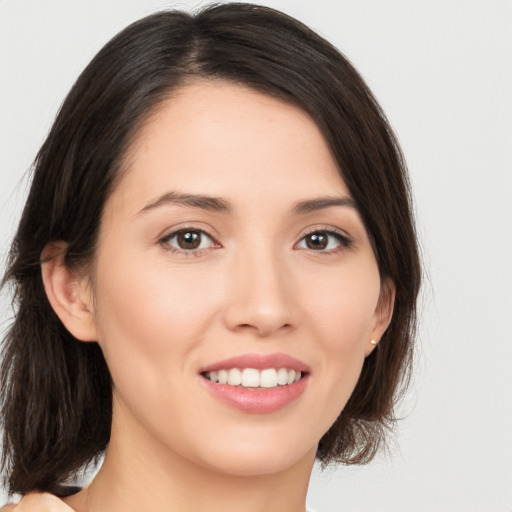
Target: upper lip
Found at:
x=258, y=362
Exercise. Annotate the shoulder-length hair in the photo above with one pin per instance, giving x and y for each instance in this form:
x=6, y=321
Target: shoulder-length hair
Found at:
x=57, y=391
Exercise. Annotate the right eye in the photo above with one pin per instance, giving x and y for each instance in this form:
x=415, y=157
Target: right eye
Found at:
x=188, y=241
x=325, y=241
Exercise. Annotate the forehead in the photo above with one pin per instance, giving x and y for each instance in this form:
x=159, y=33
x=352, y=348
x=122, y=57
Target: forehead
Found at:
x=227, y=140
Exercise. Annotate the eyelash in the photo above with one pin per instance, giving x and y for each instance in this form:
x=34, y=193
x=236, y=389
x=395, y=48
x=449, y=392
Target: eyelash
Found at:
x=343, y=240
x=164, y=241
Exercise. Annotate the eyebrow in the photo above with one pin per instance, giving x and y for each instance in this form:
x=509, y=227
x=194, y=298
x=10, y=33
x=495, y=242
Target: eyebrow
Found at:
x=214, y=204
x=320, y=203
x=217, y=204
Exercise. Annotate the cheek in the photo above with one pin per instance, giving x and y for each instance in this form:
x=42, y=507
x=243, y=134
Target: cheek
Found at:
x=341, y=314
x=342, y=307
x=151, y=324
x=151, y=305
x=151, y=319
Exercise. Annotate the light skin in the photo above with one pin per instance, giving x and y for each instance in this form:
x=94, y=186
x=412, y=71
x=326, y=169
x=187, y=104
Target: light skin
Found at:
x=283, y=264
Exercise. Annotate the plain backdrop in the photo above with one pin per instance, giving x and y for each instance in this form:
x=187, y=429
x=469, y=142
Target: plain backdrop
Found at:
x=442, y=70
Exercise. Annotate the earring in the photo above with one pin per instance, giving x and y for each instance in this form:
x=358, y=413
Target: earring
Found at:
x=373, y=342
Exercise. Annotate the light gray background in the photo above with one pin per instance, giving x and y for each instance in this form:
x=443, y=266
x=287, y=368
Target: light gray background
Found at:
x=442, y=70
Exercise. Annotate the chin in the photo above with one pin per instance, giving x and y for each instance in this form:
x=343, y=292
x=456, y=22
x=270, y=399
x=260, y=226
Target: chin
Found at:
x=259, y=458
x=257, y=466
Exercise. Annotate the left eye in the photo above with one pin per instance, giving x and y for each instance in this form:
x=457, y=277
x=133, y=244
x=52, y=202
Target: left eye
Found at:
x=188, y=240
x=323, y=241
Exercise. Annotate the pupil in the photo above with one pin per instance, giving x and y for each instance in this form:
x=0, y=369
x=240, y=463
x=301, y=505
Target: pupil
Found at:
x=189, y=240
x=316, y=241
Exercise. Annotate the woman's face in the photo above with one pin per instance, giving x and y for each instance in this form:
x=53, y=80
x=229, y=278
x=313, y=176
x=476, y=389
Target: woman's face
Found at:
x=232, y=235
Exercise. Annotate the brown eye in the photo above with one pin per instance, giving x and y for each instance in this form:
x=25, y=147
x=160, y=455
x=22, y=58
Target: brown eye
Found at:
x=325, y=241
x=188, y=240
x=316, y=241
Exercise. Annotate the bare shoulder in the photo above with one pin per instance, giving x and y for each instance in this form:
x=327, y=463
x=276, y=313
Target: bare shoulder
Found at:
x=38, y=502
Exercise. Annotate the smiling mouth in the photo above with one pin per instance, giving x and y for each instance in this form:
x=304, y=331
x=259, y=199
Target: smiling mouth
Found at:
x=252, y=378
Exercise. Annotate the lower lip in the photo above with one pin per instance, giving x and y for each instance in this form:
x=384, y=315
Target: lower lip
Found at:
x=258, y=401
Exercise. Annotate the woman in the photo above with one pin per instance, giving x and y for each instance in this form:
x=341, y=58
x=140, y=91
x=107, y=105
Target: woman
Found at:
x=215, y=272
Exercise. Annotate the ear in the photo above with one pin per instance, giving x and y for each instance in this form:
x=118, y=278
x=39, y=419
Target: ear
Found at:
x=69, y=294
x=383, y=315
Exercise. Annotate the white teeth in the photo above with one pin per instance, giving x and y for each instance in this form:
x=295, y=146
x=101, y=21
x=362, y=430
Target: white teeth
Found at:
x=252, y=378
x=234, y=377
x=223, y=376
x=282, y=376
x=268, y=378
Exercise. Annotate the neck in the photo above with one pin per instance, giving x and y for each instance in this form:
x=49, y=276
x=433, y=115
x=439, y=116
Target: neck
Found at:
x=140, y=475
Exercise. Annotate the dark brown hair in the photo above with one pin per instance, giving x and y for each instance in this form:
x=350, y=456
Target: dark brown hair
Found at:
x=56, y=391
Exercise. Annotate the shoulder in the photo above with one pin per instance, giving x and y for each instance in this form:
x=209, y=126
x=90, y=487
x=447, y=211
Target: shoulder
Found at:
x=38, y=502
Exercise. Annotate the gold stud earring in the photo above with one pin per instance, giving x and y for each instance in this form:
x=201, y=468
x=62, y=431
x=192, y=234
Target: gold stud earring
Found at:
x=373, y=342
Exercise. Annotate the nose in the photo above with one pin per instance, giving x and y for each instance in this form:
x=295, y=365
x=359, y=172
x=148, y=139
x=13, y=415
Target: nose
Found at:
x=260, y=296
